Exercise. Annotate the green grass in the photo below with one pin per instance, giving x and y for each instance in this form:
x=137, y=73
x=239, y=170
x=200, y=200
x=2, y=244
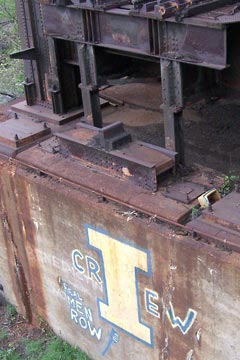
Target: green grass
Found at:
x=61, y=350
x=9, y=354
x=10, y=313
x=47, y=347
x=7, y=10
x=11, y=71
x=19, y=340
x=3, y=335
x=33, y=348
x=50, y=348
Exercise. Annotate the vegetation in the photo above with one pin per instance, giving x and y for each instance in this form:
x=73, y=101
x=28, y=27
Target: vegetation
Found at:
x=19, y=340
x=230, y=181
x=196, y=211
x=11, y=71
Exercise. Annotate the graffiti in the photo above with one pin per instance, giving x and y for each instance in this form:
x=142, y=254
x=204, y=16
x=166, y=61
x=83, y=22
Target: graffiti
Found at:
x=57, y=263
x=80, y=313
x=184, y=325
x=121, y=293
x=82, y=316
x=92, y=266
x=124, y=303
x=113, y=339
x=151, y=307
x=121, y=263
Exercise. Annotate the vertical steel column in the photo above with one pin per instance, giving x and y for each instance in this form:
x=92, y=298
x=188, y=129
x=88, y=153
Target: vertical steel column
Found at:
x=25, y=32
x=172, y=106
x=53, y=79
x=88, y=86
x=30, y=28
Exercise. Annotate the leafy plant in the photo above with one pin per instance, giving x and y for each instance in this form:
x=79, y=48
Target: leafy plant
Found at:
x=229, y=182
x=10, y=313
x=196, y=211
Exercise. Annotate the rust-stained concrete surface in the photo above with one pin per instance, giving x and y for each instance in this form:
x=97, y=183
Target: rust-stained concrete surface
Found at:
x=118, y=284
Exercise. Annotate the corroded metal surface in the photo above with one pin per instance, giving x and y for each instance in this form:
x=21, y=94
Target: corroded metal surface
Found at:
x=135, y=160
x=184, y=192
x=27, y=132
x=111, y=281
x=221, y=220
x=113, y=268
x=226, y=212
x=65, y=43
x=81, y=174
x=44, y=114
x=102, y=183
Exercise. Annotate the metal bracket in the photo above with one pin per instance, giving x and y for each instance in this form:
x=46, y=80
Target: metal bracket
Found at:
x=26, y=54
x=134, y=161
x=113, y=136
x=30, y=92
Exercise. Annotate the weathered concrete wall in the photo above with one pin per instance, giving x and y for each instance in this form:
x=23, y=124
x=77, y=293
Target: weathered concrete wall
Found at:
x=116, y=285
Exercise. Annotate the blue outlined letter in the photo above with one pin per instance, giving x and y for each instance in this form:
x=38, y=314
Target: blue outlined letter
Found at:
x=121, y=262
x=76, y=256
x=151, y=307
x=184, y=325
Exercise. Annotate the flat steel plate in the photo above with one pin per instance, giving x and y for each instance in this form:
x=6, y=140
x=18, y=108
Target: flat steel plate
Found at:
x=226, y=212
x=41, y=113
x=19, y=132
x=184, y=192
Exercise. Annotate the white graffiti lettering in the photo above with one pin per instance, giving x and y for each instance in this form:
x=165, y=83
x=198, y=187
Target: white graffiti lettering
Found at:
x=91, y=265
x=80, y=313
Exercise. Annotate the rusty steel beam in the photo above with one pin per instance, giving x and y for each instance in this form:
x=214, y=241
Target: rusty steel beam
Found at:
x=120, y=192
x=88, y=85
x=172, y=92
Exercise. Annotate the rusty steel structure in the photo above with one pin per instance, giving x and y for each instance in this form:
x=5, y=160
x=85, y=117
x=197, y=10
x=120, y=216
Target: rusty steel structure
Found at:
x=99, y=234
x=65, y=42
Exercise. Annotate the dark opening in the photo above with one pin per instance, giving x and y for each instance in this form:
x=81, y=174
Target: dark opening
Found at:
x=69, y=73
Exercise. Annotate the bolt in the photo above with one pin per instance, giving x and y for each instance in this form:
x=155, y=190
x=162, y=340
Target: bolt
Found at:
x=45, y=125
x=15, y=115
x=16, y=137
x=210, y=208
x=194, y=234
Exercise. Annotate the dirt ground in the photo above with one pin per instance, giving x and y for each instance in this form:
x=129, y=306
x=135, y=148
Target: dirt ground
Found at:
x=20, y=340
x=211, y=128
x=212, y=133
x=14, y=330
